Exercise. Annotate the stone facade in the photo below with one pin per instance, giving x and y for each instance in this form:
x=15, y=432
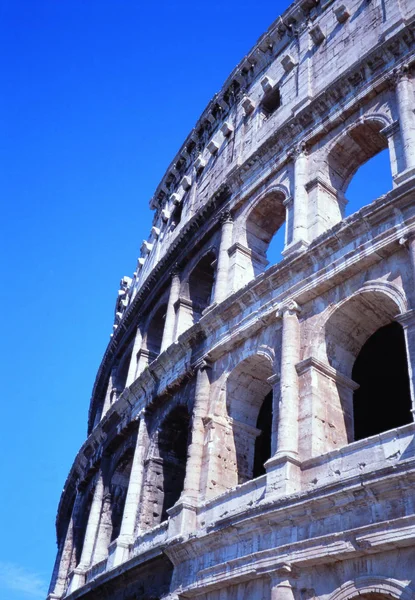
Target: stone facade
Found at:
x=251, y=430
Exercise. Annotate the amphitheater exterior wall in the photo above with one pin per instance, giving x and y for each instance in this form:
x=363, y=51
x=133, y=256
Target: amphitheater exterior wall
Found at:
x=223, y=459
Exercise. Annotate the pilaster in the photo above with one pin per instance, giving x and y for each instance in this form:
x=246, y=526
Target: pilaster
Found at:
x=132, y=501
x=222, y=287
x=170, y=322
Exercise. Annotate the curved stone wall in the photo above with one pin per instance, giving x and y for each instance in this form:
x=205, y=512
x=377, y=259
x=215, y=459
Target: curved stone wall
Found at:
x=221, y=458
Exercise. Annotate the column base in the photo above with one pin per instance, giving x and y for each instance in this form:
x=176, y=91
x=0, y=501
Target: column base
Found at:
x=283, y=475
x=77, y=579
x=182, y=517
x=121, y=551
x=294, y=247
x=404, y=175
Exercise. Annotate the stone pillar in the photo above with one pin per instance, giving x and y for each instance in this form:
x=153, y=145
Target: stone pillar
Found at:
x=287, y=436
x=407, y=320
x=64, y=558
x=170, y=322
x=325, y=419
x=132, y=501
x=78, y=576
x=222, y=287
x=132, y=369
x=191, y=488
x=183, y=514
x=184, y=316
x=405, y=101
x=283, y=469
x=300, y=233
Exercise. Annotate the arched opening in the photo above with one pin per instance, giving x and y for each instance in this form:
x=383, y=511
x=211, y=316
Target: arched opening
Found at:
x=371, y=180
x=122, y=372
x=381, y=370
x=80, y=524
x=173, y=442
x=353, y=353
x=263, y=441
x=155, y=331
x=264, y=225
x=201, y=285
x=354, y=150
x=165, y=467
x=249, y=405
x=118, y=492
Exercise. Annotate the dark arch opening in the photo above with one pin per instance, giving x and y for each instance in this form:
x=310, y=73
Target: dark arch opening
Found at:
x=263, y=441
x=383, y=400
x=201, y=284
x=249, y=404
x=118, y=489
x=80, y=525
x=155, y=333
x=173, y=442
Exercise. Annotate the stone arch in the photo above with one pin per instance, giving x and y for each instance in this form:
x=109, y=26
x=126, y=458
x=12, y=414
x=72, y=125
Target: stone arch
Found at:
x=380, y=302
x=200, y=283
x=353, y=147
x=154, y=331
x=118, y=487
x=262, y=219
x=373, y=587
x=165, y=465
x=347, y=329
x=249, y=409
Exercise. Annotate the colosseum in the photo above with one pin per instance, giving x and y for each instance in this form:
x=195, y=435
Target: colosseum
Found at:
x=251, y=427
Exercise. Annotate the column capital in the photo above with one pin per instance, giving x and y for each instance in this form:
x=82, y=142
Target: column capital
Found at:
x=225, y=217
x=289, y=306
x=202, y=364
x=406, y=319
x=175, y=271
x=300, y=149
x=399, y=73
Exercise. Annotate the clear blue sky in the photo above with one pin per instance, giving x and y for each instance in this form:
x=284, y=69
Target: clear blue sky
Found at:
x=97, y=97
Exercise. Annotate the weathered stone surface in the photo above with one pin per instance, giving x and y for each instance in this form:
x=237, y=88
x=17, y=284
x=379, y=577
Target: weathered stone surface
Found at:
x=224, y=458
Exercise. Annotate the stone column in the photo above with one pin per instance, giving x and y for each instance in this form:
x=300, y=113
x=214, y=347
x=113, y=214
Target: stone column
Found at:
x=184, y=316
x=222, y=287
x=78, y=577
x=132, y=501
x=283, y=469
x=287, y=436
x=300, y=212
x=191, y=487
x=183, y=514
x=170, y=322
x=132, y=369
x=405, y=101
x=64, y=558
x=407, y=320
